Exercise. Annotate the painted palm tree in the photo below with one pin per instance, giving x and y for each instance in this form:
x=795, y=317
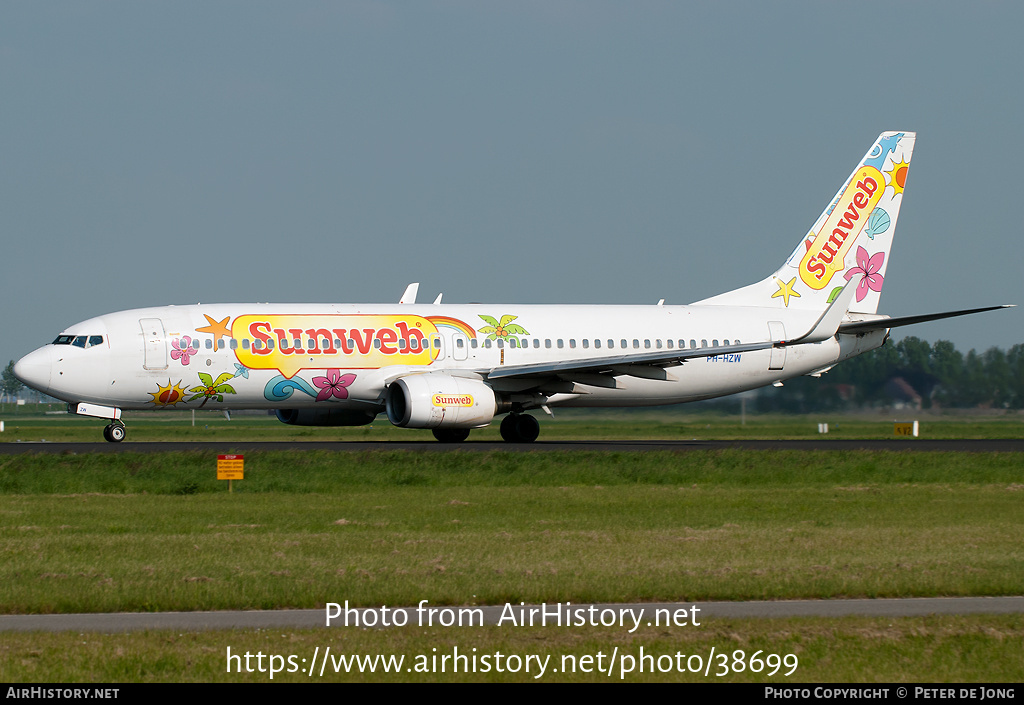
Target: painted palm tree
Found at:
x=500, y=330
x=211, y=389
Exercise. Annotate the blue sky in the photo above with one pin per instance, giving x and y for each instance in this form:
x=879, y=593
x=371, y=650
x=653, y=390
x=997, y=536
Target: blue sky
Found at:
x=529, y=152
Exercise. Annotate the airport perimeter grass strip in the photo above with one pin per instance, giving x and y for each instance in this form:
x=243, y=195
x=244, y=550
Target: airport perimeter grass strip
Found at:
x=324, y=472
x=939, y=649
x=668, y=423
x=458, y=545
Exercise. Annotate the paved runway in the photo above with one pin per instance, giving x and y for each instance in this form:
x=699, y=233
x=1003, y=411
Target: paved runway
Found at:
x=909, y=445
x=316, y=618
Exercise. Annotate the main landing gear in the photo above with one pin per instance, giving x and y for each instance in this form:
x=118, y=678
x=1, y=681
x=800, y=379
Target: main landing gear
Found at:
x=515, y=428
x=520, y=428
x=115, y=432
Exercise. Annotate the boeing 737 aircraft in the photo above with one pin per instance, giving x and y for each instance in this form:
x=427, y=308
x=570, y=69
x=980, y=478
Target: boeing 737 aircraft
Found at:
x=452, y=368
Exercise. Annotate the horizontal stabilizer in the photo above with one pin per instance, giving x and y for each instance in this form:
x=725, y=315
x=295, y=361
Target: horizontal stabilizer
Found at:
x=883, y=323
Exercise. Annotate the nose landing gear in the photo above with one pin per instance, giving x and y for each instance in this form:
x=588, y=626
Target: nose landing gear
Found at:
x=519, y=428
x=114, y=432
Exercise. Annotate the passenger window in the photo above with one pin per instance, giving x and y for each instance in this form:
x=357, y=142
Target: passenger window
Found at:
x=501, y=344
x=726, y=341
x=547, y=342
x=487, y=343
x=622, y=344
x=703, y=342
x=459, y=343
x=401, y=344
x=715, y=342
x=572, y=343
x=377, y=343
x=473, y=343
x=657, y=343
x=220, y=343
x=257, y=345
x=437, y=343
x=560, y=343
x=270, y=343
x=597, y=342
x=693, y=343
x=636, y=343
x=209, y=344
x=647, y=344
x=682, y=344
x=536, y=342
x=611, y=343
x=669, y=344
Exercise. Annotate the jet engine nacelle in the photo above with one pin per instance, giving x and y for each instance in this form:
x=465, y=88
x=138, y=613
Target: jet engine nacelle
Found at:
x=436, y=400
x=325, y=417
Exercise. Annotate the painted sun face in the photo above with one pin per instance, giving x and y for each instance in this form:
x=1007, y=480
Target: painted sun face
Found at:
x=169, y=395
x=898, y=176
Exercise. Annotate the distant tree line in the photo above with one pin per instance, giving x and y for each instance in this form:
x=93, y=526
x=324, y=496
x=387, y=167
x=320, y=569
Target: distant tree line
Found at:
x=913, y=371
x=9, y=384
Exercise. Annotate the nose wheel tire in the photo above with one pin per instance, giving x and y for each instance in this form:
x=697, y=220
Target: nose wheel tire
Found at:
x=519, y=428
x=114, y=433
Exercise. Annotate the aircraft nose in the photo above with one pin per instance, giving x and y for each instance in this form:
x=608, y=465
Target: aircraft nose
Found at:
x=34, y=369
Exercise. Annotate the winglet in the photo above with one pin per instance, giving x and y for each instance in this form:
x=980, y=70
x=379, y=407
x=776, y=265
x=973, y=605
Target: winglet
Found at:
x=409, y=297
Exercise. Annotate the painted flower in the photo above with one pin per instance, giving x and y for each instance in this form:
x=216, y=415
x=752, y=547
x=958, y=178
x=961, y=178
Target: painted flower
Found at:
x=182, y=349
x=210, y=389
x=333, y=385
x=868, y=268
x=502, y=329
x=241, y=370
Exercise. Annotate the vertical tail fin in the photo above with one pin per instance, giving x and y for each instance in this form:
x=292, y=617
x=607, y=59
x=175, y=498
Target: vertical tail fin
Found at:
x=851, y=238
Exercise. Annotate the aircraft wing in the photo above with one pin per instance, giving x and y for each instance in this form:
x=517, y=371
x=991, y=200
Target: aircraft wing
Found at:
x=884, y=322
x=650, y=365
x=646, y=364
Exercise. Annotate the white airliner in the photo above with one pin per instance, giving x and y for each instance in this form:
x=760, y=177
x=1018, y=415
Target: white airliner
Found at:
x=452, y=368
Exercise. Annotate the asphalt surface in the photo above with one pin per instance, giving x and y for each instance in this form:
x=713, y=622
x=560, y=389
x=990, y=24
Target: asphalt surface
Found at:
x=909, y=445
x=684, y=612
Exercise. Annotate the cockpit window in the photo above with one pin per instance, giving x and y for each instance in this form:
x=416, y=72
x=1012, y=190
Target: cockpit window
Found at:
x=79, y=341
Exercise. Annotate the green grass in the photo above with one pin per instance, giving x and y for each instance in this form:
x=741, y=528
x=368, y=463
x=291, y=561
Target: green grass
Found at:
x=26, y=424
x=978, y=649
x=157, y=532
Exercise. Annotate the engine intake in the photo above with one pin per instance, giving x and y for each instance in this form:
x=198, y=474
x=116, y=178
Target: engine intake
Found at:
x=436, y=400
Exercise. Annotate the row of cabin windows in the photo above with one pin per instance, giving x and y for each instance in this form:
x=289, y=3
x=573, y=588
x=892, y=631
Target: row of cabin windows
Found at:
x=597, y=343
x=324, y=344
x=414, y=343
x=87, y=341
